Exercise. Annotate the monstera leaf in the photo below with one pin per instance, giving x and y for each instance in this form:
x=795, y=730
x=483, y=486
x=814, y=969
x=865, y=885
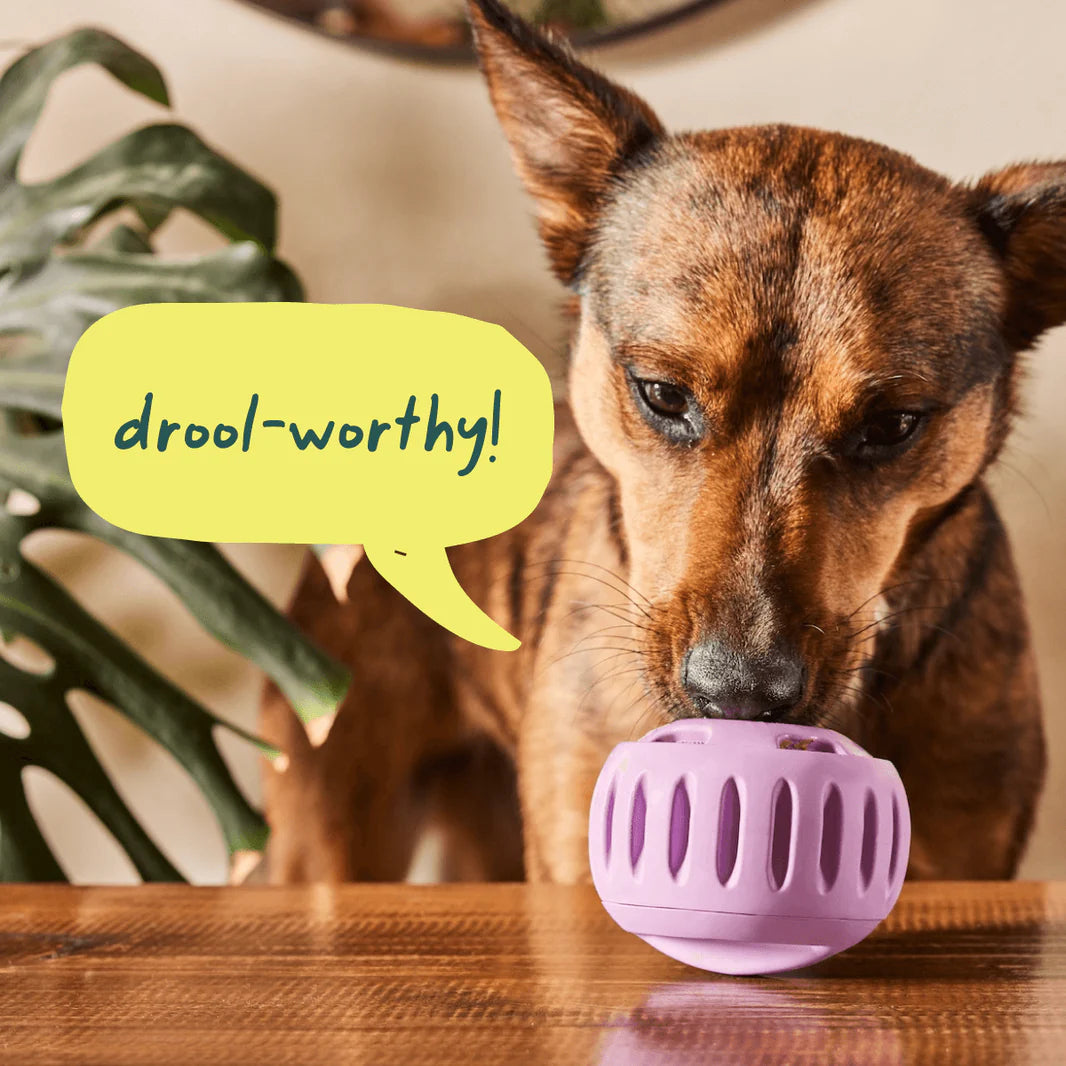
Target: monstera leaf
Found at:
x=54, y=283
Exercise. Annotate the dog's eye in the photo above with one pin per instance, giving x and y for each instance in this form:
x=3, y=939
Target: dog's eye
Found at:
x=885, y=432
x=664, y=399
x=671, y=410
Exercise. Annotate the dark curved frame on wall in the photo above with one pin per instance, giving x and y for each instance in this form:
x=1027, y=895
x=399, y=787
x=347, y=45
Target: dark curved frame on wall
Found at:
x=464, y=53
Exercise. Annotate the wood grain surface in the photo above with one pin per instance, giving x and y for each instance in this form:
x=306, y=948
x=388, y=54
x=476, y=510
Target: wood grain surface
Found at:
x=477, y=974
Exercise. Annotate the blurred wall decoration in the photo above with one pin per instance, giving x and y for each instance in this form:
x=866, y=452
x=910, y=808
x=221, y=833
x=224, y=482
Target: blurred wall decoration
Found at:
x=395, y=186
x=437, y=29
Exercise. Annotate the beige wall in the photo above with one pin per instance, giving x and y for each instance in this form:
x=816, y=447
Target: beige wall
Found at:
x=395, y=186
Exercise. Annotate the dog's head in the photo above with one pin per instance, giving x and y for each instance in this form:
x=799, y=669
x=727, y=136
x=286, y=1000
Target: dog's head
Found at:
x=794, y=350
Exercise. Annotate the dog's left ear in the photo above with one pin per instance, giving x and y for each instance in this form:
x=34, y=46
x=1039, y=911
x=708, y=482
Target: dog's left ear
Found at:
x=570, y=129
x=1022, y=211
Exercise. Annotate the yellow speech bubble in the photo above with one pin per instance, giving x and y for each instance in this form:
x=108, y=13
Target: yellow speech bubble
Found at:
x=405, y=431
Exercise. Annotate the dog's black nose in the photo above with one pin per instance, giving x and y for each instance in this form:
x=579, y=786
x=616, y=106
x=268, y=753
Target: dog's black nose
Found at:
x=723, y=683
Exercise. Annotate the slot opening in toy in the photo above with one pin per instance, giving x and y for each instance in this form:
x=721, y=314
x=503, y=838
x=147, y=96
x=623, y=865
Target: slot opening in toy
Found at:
x=792, y=742
x=688, y=733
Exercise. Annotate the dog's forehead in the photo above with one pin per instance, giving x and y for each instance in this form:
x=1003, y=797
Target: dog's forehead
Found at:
x=728, y=244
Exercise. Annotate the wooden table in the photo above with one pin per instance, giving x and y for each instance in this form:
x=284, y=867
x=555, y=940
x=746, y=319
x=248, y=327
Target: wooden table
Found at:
x=478, y=974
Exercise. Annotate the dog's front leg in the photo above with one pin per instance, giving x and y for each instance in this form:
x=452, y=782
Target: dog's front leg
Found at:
x=558, y=764
x=348, y=807
x=971, y=755
x=961, y=716
x=574, y=719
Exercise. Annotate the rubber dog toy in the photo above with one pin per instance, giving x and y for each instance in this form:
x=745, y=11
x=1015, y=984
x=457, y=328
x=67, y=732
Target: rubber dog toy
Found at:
x=748, y=847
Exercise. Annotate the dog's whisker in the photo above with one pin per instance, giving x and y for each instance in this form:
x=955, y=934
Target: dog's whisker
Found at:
x=617, y=643
x=639, y=726
x=589, y=689
x=598, y=648
x=602, y=647
x=613, y=675
x=574, y=649
x=612, y=573
x=529, y=578
x=621, y=636
x=607, y=608
x=896, y=627
x=623, y=624
x=581, y=651
x=603, y=712
x=897, y=614
x=626, y=591
x=902, y=584
x=635, y=671
x=864, y=668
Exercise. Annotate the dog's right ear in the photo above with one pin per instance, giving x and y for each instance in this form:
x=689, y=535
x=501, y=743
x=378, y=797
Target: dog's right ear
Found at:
x=570, y=129
x=1022, y=211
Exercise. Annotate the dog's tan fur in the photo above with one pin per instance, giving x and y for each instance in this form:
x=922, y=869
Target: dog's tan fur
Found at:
x=796, y=285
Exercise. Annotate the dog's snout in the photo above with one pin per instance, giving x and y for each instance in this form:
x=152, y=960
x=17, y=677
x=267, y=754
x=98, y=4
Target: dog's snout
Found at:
x=724, y=683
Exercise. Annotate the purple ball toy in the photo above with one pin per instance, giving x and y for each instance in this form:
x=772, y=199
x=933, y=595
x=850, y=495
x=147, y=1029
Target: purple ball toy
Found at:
x=748, y=847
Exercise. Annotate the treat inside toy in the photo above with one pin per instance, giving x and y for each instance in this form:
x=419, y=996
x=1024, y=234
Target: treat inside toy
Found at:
x=748, y=849
x=797, y=743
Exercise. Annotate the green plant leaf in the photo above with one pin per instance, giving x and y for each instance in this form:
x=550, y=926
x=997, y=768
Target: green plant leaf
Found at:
x=56, y=301
x=94, y=659
x=226, y=605
x=57, y=743
x=153, y=169
x=24, y=853
x=163, y=165
x=26, y=83
x=51, y=291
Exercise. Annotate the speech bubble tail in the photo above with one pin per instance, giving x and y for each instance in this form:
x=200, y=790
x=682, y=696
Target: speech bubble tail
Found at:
x=423, y=575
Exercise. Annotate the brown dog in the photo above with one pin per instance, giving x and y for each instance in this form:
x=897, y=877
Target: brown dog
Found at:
x=795, y=358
